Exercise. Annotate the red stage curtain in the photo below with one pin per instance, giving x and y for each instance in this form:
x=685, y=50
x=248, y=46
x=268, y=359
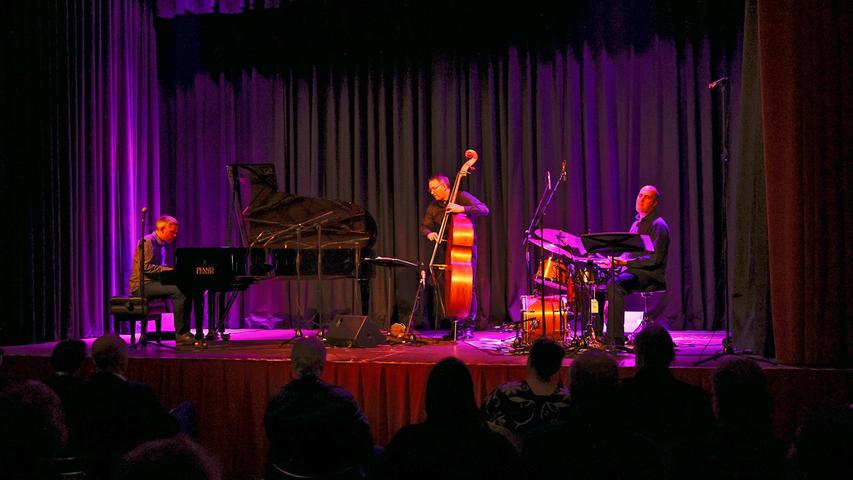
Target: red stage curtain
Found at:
x=805, y=52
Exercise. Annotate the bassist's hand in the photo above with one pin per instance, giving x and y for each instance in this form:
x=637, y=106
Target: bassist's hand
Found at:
x=455, y=208
x=432, y=236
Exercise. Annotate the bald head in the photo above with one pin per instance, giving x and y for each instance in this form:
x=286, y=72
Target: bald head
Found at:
x=308, y=357
x=647, y=200
x=110, y=353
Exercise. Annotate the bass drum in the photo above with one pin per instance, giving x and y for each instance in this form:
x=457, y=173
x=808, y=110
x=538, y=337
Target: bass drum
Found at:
x=550, y=321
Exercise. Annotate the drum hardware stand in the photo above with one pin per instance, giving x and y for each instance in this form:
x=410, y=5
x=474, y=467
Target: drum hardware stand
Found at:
x=587, y=339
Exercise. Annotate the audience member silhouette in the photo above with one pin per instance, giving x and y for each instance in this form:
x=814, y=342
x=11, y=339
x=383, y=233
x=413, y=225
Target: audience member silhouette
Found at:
x=454, y=441
x=118, y=414
x=675, y=415
x=176, y=458
x=5, y=377
x=32, y=430
x=744, y=445
x=823, y=447
x=593, y=443
x=519, y=407
x=67, y=359
x=315, y=429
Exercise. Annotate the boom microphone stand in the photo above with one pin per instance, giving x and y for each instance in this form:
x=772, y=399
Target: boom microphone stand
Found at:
x=538, y=219
x=728, y=343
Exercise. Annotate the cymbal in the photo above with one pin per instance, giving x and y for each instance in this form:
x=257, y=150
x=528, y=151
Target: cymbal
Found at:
x=539, y=242
x=554, y=235
x=550, y=284
x=564, y=240
x=390, y=262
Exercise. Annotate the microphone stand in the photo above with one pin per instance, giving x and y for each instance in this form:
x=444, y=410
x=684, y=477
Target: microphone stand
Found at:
x=408, y=336
x=143, y=328
x=538, y=218
x=728, y=342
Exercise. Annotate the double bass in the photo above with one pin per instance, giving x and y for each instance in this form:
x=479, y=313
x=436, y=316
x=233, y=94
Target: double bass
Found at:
x=458, y=258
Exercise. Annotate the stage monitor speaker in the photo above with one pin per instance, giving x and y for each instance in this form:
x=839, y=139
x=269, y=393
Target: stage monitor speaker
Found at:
x=353, y=331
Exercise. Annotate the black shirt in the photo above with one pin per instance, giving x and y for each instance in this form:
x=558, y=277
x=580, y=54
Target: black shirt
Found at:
x=435, y=212
x=653, y=264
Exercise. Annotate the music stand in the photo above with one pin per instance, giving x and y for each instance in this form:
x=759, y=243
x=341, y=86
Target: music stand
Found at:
x=614, y=244
x=389, y=263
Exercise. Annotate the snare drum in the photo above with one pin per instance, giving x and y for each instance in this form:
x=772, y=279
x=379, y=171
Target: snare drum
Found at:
x=555, y=315
x=554, y=274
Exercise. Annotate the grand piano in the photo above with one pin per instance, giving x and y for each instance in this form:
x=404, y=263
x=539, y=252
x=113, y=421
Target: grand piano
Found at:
x=281, y=235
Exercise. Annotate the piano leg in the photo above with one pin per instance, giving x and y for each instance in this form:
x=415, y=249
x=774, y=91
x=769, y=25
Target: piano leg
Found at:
x=221, y=316
x=364, y=286
x=198, y=313
x=211, y=316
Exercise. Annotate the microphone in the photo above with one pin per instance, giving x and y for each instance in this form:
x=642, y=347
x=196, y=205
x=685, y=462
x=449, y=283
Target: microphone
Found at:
x=470, y=153
x=549, y=180
x=717, y=83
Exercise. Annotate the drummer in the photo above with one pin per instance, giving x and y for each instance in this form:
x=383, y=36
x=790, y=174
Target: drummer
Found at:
x=643, y=271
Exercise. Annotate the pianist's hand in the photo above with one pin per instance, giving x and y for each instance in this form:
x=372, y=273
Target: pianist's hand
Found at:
x=432, y=236
x=166, y=269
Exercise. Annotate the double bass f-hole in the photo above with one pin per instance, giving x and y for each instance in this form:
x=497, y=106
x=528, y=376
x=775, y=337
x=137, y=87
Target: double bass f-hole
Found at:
x=457, y=231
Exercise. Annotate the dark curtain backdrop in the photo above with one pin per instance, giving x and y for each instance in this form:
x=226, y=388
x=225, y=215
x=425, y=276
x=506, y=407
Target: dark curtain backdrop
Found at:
x=805, y=52
x=364, y=105
x=80, y=159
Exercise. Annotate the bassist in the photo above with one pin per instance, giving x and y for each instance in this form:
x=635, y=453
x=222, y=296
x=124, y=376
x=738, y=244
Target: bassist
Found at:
x=439, y=188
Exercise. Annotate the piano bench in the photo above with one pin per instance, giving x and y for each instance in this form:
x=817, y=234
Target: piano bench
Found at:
x=130, y=309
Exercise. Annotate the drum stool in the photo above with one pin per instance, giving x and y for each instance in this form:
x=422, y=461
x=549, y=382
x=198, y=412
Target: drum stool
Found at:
x=647, y=318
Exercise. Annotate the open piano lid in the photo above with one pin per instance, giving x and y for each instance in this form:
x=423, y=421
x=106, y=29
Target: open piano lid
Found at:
x=273, y=219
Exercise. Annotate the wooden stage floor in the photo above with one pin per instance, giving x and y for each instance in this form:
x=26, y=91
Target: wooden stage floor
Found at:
x=230, y=382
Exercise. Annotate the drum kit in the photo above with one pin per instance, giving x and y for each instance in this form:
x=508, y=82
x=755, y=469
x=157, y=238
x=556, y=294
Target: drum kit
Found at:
x=562, y=304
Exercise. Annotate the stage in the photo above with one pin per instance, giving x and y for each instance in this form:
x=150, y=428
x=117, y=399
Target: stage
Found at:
x=229, y=382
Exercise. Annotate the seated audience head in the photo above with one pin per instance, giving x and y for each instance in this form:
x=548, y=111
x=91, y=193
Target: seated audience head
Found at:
x=177, y=457
x=594, y=379
x=308, y=357
x=32, y=429
x=823, y=444
x=450, y=395
x=741, y=396
x=68, y=356
x=545, y=359
x=654, y=348
x=110, y=354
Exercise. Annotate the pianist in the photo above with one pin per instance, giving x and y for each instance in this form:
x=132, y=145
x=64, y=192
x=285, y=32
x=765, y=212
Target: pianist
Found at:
x=159, y=256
